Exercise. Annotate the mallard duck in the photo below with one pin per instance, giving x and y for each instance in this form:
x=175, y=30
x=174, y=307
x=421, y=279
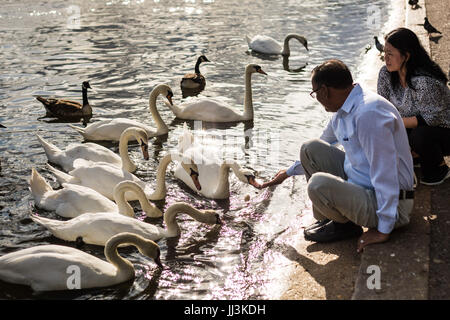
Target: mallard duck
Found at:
x=195, y=80
x=66, y=109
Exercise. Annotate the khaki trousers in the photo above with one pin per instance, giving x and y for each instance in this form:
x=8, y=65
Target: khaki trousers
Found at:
x=335, y=198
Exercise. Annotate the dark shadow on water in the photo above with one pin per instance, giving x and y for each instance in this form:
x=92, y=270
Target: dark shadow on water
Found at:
x=287, y=68
x=83, y=120
x=263, y=56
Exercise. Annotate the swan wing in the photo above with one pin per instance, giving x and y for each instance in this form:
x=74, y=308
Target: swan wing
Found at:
x=98, y=228
x=103, y=177
x=208, y=110
x=265, y=44
x=93, y=152
x=47, y=267
x=111, y=130
x=74, y=200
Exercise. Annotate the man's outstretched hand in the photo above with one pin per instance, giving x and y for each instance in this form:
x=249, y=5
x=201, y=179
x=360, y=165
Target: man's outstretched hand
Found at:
x=279, y=178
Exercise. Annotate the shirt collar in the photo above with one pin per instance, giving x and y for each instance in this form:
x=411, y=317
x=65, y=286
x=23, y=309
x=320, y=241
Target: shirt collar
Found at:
x=350, y=102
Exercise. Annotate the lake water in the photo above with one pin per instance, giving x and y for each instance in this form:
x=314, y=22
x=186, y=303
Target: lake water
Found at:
x=125, y=48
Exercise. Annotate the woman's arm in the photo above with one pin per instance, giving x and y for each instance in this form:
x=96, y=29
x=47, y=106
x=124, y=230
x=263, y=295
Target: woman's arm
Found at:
x=410, y=122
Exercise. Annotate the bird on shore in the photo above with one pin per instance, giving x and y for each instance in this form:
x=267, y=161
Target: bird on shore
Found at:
x=66, y=109
x=378, y=45
x=430, y=29
x=413, y=3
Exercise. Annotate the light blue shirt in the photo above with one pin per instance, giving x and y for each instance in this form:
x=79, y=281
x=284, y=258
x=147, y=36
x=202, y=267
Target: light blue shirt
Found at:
x=377, y=153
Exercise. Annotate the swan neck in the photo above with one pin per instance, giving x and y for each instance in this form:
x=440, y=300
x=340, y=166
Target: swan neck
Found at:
x=170, y=216
x=160, y=125
x=127, y=163
x=124, y=207
x=160, y=190
x=223, y=186
x=124, y=267
x=286, y=49
x=248, y=102
x=149, y=208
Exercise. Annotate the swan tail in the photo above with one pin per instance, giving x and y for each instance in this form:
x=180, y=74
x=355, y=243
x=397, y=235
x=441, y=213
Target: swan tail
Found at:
x=186, y=140
x=51, y=150
x=61, y=176
x=248, y=40
x=52, y=225
x=78, y=129
x=38, y=185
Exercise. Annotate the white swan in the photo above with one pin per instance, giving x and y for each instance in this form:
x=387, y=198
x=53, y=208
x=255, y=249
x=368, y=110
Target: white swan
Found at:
x=268, y=45
x=48, y=267
x=213, y=171
x=73, y=200
x=97, y=153
x=103, y=177
x=97, y=228
x=213, y=111
x=112, y=129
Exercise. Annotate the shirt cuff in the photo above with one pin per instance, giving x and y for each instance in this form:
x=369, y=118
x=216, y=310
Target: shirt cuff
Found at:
x=386, y=225
x=296, y=169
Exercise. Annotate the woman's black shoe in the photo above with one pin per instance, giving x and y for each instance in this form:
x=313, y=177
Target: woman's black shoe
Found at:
x=439, y=178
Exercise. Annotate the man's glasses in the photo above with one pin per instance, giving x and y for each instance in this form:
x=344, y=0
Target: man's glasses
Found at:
x=313, y=93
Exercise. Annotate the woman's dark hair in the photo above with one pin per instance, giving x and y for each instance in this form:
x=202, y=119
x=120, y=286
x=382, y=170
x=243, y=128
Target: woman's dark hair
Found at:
x=419, y=62
x=332, y=73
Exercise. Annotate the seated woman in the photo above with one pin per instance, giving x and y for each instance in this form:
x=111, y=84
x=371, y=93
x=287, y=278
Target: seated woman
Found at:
x=417, y=87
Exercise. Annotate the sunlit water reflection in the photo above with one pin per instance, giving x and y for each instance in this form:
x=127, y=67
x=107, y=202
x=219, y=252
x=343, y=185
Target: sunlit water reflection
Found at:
x=125, y=48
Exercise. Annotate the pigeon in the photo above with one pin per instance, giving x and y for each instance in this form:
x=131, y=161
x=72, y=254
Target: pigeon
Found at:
x=413, y=3
x=430, y=29
x=379, y=46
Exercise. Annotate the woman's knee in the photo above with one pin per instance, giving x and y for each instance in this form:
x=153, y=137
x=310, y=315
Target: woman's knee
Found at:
x=419, y=139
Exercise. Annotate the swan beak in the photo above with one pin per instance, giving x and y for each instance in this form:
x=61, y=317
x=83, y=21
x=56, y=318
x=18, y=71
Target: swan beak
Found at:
x=144, y=148
x=262, y=72
x=169, y=97
x=194, y=177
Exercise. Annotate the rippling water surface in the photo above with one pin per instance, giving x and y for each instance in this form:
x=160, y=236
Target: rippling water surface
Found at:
x=125, y=48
